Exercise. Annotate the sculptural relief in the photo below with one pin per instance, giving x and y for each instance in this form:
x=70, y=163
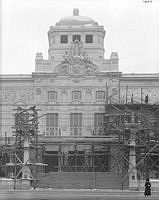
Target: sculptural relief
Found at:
x=76, y=48
x=63, y=69
x=12, y=96
x=76, y=69
x=76, y=62
x=88, y=91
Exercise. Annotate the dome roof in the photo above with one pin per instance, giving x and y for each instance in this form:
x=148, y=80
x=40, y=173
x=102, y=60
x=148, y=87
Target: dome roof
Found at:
x=76, y=20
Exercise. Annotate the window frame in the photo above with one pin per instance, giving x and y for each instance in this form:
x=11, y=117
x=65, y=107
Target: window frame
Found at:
x=100, y=93
x=74, y=39
x=78, y=93
x=87, y=41
x=52, y=124
x=98, y=123
x=62, y=41
x=76, y=124
x=53, y=93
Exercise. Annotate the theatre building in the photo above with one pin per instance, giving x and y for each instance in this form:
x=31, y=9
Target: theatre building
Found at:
x=96, y=124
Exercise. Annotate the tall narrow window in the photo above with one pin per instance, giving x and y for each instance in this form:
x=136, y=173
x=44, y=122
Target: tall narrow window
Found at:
x=76, y=124
x=89, y=39
x=100, y=95
x=52, y=124
x=52, y=95
x=76, y=37
x=98, y=123
x=76, y=95
x=64, y=39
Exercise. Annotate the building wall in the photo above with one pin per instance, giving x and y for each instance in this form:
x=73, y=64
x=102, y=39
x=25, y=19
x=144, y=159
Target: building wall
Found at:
x=35, y=91
x=64, y=86
x=74, y=66
x=140, y=85
x=16, y=91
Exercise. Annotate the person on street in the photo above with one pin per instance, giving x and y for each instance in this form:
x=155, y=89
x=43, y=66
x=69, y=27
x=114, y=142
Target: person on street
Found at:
x=147, y=188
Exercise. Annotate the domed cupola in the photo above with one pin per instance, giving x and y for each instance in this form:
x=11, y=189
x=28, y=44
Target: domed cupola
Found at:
x=80, y=38
x=85, y=30
x=76, y=20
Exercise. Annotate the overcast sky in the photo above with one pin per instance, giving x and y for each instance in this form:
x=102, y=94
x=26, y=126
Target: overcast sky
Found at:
x=132, y=29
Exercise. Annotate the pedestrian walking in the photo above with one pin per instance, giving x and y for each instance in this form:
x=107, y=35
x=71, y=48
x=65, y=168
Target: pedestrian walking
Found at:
x=147, y=188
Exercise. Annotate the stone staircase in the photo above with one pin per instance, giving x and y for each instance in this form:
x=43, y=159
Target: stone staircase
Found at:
x=80, y=180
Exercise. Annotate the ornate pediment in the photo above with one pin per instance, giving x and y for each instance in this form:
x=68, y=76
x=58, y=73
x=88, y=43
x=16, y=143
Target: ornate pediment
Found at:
x=76, y=62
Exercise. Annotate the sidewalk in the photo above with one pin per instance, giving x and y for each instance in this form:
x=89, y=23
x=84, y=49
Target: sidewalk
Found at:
x=72, y=194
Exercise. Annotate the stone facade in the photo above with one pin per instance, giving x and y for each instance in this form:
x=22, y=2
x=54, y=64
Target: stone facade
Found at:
x=73, y=85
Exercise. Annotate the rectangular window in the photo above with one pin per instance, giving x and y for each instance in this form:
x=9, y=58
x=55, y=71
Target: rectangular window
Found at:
x=76, y=37
x=76, y=95
x=52, y=124
x=64, y=39
x=52, y=95
x=100, y=95
x=76, y=124
x=89, y=39
x=98, y=123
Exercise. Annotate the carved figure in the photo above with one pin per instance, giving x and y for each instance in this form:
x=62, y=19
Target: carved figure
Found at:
x=76, y=48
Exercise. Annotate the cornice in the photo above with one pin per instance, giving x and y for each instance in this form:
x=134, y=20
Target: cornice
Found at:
x=16, y=77
x=135, y=76
x=76, y=28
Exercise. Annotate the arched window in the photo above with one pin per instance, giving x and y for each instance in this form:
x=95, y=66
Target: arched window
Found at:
x=76, y=95
x=100, y=95
x=52, y=95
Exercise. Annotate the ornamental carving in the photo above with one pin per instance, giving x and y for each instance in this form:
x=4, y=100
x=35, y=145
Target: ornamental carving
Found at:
x=12, y=96
x=76, y=62
x=88, y=91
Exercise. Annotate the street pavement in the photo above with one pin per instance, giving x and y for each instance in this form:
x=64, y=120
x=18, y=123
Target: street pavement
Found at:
x=62, y=194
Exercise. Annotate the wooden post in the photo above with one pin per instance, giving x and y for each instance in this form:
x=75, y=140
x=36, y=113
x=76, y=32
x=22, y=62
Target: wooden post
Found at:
x=15, y=170
x=5, y=138
x=75, y=150
x=92, y=157
x=119, y=86
x=141, y=96
x=126, y=94
x=59, y=158
x=106, y=93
